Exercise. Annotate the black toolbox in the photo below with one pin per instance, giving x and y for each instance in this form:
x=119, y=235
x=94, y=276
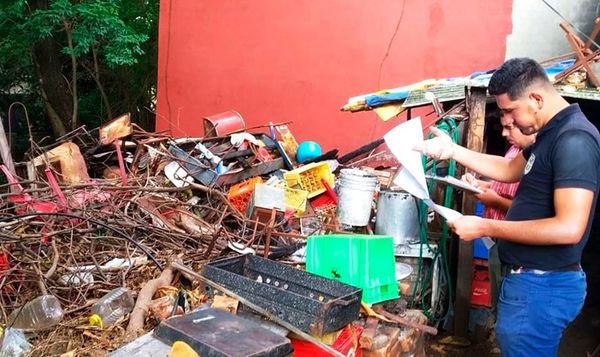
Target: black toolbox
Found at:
x=313, y=304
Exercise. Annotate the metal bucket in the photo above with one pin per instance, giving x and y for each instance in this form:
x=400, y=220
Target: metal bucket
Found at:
x=397, y=216
x=223, y=123
x=355, y=197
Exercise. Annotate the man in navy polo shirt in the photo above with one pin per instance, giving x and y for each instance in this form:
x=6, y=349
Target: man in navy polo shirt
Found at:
x=548, y=223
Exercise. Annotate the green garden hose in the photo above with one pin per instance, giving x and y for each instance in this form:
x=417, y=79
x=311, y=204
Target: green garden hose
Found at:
x=448, y=125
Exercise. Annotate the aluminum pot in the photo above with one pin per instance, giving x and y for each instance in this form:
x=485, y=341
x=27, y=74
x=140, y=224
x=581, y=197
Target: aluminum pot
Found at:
x=397, y=216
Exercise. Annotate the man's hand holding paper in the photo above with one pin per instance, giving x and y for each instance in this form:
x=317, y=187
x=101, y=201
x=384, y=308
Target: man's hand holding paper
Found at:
x=468, y=228
x=405, y=141
x=440, y=147
x=402, y=142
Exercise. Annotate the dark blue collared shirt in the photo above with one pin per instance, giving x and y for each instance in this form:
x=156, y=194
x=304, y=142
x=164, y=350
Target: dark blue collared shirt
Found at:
x=566, y=154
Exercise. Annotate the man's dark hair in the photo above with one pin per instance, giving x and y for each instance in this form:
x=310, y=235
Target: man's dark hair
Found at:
x=516, y=75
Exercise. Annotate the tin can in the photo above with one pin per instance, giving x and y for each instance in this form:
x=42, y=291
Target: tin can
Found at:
x=223, y=124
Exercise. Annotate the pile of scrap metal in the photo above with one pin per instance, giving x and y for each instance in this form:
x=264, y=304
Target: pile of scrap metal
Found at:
x=104, y=208
x=176, y=221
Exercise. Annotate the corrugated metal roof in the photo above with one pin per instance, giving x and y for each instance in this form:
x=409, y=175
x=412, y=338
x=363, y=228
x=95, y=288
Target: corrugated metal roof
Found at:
x=445, y=93
x=456, y=91
x=585, y=93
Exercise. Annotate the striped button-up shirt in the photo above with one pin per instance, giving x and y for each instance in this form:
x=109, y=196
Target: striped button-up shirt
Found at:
x=506, y=190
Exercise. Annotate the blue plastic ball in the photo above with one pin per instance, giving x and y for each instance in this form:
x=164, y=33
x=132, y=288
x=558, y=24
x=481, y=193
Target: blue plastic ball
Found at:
x=308, y=150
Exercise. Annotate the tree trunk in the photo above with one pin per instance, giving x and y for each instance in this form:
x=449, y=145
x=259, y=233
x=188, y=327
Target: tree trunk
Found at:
x=75, y=97
x=46, y=57
x=56, y=122
x=96, y=75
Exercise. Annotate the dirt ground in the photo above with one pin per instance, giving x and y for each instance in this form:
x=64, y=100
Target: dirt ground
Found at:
x=581, y=339
x=448, y=346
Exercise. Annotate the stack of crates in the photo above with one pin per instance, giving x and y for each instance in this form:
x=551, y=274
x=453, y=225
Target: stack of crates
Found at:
x=480, y=285
x=364, y=261
x=239, y=195
x=308, y=178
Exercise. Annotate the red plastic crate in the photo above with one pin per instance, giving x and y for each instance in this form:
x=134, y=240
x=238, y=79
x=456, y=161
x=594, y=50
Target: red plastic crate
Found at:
x=323, y=202
x=346, y=343
x=480, y=286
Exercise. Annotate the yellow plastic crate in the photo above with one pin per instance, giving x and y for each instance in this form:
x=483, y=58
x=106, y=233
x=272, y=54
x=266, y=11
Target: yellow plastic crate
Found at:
x=308, y=178
x=296, y=199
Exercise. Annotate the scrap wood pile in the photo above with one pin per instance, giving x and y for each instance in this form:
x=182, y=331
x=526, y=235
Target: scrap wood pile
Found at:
x=101, y=210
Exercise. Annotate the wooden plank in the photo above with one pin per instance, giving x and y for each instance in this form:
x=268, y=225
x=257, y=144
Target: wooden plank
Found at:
x=585, y=64
x=5, y=152
x=582, y=52
x=31, y=174
x=593, y=34
x=476, y=99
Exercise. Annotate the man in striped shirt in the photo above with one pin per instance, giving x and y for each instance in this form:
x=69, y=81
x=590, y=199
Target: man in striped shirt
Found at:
x=497, y=196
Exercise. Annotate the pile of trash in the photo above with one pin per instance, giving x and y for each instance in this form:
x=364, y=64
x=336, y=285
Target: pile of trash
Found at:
x=105, y=213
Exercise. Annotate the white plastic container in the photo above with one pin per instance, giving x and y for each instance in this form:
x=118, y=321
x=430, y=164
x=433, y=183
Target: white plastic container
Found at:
x=355, y=190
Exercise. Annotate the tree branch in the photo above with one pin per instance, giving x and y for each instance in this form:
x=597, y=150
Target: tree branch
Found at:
x=96, y=76
x=138, y=315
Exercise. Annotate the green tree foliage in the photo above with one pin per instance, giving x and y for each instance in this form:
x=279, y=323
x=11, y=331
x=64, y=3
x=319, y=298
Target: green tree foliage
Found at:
x=82, y=61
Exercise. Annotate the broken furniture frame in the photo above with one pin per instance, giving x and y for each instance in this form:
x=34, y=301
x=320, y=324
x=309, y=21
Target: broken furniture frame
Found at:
x=583, y=53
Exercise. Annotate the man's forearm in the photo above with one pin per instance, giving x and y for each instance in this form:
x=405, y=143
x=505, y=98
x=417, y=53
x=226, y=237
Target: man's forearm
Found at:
x=502, y=203
x=495, y=167
x=547, y=231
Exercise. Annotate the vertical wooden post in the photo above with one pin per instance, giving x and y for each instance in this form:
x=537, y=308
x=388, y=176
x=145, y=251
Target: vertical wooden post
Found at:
x=476, y=98
x=5, y=152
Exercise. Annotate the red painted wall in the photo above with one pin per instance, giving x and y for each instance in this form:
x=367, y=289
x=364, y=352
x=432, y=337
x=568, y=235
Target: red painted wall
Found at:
x=300, y=60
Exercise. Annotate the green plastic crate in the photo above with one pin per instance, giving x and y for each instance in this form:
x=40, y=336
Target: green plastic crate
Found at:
x=364, y=261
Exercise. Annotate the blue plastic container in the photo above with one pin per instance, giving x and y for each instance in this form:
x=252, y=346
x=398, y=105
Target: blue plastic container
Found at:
x=479, y=250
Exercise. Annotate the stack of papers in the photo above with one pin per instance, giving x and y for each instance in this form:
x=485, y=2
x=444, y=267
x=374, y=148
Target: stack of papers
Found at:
x=456, y=183
x=401, y=140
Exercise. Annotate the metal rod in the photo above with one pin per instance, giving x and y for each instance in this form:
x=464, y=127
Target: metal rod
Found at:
x=187, y=270
x=406, y=322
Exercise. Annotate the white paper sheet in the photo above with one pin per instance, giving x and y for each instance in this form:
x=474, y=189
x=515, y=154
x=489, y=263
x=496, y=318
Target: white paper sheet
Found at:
x=456, y=183
x=401, y=140
x=445, y=212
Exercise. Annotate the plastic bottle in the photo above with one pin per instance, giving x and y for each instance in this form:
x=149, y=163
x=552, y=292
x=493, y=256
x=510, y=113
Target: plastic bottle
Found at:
x=117, y=303
x=14, y=343
x=40, y=313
